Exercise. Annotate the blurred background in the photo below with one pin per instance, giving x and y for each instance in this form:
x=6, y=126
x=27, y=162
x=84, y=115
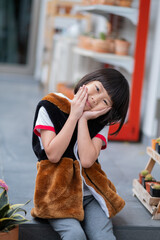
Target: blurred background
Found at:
x=57, y=42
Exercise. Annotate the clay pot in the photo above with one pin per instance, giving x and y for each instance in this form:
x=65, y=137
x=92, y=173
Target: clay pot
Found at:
x=68, y=9
x=86, y=2
x=154, y=141
x=95, y=2
x=111, y=44
x=99, y=45
x=144, y=182
x=11, y=235
x=107, y=2
x=121, y=47
x=90, y=2
x=124, y=3
x=140, y=178
x=85, y=42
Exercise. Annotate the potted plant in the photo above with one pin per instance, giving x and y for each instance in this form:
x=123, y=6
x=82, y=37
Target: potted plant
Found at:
x=99, y=44
x=9, y=217
x=156, y=144
x=103, y=44
x=124, y=3
x=142, y=174
x=106, y=2
x=148, y=178
x=85, y=41
x=148, y=185
x=121, y=46
x=155, y=190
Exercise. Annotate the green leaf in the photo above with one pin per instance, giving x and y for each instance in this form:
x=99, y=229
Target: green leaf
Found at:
x=18, y=217
x=3, y=198
x=4, y=210
x=11, y=212
x=9, y=222
x=102, y=36
x=16, y=208
x=19, y=205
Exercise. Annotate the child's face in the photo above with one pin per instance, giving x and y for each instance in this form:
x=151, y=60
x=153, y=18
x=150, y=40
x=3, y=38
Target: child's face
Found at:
x=98, y=97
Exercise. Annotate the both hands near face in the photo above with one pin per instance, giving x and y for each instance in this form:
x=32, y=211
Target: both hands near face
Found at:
x=78, y=106
x=94, y=114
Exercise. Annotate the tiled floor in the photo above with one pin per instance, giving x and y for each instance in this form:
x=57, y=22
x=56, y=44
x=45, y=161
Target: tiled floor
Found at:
x=122, y=161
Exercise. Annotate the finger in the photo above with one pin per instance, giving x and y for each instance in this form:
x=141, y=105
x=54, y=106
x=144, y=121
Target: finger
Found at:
x=76, y=96
x=83, y=100
x=83, y=93
x=101, y=112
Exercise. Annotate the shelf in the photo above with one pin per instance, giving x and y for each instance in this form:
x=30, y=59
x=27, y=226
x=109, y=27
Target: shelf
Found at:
x=76, y=16
x=151, y=203
x=69, y=3
x=128, y=12
x=125, y=62
x=153, y=154
x=146, y=196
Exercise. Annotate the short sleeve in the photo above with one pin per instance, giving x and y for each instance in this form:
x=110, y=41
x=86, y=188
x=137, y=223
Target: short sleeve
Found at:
x=103, y=135
x=43, y=122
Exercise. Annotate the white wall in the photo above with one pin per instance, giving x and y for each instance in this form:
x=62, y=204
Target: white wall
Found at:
x=40, y=40
x=152, y=74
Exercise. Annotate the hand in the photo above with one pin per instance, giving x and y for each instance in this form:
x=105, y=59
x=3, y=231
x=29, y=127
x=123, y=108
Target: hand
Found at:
x=78, y=102
x=95, y=114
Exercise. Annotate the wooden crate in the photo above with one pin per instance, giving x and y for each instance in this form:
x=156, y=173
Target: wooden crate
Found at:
x=151, y=203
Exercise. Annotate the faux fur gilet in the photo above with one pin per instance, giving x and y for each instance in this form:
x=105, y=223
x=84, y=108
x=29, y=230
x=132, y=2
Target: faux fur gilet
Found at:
x=58, y=188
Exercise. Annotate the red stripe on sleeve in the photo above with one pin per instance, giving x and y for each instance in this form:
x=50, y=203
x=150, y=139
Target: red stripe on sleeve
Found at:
x=103, y=139
x=43, y=127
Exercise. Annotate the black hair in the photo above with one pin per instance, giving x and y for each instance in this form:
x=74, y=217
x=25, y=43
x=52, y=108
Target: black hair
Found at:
x=117, y=88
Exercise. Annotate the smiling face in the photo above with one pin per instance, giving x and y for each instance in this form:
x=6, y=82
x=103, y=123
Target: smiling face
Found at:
x=98, y=97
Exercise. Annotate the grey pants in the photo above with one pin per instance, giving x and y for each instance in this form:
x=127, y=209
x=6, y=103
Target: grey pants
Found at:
x=95, y=226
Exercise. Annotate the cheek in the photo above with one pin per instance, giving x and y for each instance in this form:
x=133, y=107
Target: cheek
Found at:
x=99, y=107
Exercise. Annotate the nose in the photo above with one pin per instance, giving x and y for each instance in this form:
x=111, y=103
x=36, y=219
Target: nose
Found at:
x=94, y=100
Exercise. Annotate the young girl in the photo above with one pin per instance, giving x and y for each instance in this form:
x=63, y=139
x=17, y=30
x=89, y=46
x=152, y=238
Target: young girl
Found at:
x=71, y=190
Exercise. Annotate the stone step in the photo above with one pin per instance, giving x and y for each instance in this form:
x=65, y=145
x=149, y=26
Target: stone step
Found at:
x=43, y=231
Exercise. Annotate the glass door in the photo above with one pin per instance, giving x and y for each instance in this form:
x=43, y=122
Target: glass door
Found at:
x=17, y=35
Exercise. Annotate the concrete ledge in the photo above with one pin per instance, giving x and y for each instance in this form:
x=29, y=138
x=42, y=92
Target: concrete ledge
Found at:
x=37, y=232
x=43, y=231
x=137, y=233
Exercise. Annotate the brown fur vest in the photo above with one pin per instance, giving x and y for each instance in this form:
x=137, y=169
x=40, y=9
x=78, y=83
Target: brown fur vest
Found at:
x=58, y=187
